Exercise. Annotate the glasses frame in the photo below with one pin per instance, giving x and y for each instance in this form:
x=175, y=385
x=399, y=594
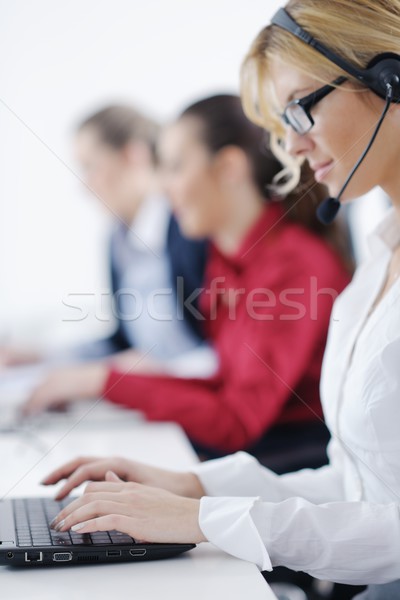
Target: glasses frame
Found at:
x=308, y=102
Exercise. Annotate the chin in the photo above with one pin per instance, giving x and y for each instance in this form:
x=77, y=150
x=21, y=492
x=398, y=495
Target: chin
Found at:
x=350, y=195
x=190, y=230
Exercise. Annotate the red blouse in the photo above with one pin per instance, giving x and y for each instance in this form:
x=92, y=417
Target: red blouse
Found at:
x=266, y=314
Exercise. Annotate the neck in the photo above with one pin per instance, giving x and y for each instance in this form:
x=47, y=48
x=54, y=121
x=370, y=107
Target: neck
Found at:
x=244, y=210
x=150, y=187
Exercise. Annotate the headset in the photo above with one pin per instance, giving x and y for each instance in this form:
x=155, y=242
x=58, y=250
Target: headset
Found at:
x=382, y=70
x=381, y=76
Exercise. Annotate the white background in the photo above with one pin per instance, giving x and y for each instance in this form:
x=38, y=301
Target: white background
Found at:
x=61, y=61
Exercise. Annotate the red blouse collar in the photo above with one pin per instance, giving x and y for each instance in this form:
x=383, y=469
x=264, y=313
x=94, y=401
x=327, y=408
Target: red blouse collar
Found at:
x=266, y=228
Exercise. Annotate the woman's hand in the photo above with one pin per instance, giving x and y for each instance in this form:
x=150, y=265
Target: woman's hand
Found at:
x=67, y=384
x=145, y=513
x=94, y=469
x=13, y=357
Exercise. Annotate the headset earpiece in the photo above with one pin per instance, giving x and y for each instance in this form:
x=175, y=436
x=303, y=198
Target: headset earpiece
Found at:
x=382, y=70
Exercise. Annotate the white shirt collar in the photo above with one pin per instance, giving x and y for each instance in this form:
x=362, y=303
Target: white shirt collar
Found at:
x=386, y=236
x=148, y=231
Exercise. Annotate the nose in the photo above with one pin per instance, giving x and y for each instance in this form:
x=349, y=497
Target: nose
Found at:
x=297, y=145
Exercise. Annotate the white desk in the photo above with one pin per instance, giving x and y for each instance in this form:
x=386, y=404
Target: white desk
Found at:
x=202, y=574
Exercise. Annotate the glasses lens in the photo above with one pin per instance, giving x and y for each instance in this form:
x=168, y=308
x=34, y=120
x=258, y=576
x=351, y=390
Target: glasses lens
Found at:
x=298, y=118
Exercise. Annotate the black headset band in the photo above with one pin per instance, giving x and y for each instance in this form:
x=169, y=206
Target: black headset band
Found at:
x=283, y=20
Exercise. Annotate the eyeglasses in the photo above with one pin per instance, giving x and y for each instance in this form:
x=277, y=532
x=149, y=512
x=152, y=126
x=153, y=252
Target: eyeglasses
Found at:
x=297, y=113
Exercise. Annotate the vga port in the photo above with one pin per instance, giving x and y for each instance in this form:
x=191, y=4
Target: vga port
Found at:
x=62, y=556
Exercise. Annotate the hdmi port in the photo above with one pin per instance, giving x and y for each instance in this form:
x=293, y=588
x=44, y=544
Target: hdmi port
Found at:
x=137, y=551
x=113, y=553
x=62, y=556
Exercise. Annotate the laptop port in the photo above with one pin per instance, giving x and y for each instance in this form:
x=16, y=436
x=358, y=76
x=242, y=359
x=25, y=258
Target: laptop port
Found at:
x=137, y=551
x=10, y=554
x=33, y=556
x=62, y=556
x=113, y=553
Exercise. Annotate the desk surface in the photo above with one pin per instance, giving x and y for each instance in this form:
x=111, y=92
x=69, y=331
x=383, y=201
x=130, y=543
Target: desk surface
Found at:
x=202, y=574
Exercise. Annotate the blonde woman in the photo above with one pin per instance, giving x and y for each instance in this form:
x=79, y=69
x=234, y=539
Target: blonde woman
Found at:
x=340, y=522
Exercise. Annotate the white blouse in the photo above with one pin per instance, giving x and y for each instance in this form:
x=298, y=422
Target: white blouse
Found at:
x=340, y=522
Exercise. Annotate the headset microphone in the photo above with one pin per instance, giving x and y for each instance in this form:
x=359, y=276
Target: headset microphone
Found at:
x=382, y=76
x=329, y=208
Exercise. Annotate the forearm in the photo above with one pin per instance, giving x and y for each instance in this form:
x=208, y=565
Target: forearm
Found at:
x=212, y=414
x=242, y=475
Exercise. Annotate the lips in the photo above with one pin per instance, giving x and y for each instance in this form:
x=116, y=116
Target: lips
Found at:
x=321, y=170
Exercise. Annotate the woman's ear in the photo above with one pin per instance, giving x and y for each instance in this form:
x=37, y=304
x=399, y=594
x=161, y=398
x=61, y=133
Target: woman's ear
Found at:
x=232, y=166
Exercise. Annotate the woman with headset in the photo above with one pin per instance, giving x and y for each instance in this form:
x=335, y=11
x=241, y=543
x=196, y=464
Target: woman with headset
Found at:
x=331, y=98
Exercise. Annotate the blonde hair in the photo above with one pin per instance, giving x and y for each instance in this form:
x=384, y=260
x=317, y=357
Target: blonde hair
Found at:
x=357, y=30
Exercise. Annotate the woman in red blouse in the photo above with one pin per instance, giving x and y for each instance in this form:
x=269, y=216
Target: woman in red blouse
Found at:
x=271, y=278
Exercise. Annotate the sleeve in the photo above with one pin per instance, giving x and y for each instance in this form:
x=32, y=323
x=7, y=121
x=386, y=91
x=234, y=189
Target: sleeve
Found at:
x=201, y=362
x=345, y=542
x=242, y=475
x=232, y=410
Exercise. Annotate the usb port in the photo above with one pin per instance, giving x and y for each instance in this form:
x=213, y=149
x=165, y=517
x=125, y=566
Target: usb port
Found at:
x=113, y=553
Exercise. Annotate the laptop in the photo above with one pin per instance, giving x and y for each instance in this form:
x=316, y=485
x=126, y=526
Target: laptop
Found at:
x=26, y=539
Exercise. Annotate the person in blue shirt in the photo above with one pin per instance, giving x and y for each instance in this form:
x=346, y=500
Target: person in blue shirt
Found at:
x=154, y=269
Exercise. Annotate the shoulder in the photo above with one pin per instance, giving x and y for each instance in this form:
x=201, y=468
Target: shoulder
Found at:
x=176, y=239
x=310, y=253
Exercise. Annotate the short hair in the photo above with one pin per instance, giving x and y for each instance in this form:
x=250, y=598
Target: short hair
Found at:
x=119, y=124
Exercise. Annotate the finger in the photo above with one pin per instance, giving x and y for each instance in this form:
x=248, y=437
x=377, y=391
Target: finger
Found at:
x=111, y=476
x=108, y=486
x=90, y=471
x=40, y=399
x=65, y=470
x=98, y=508
x=107, y=523
x=80, y=502
x=32, y=405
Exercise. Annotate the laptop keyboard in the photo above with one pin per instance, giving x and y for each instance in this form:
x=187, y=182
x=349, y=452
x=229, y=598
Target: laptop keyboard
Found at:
x=32, y=521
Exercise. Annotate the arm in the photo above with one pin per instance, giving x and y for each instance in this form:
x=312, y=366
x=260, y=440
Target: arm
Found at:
x=350, y=542
x=346, y=542
x=262, y=362
x=242, y=475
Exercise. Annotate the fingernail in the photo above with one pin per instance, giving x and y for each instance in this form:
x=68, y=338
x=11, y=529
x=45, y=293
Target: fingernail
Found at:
x=53, y=523
x=59, y=525
x=78, y=526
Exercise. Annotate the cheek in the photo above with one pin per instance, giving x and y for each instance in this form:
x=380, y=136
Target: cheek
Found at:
x=110, y=177
x=188, y=188
x=193, y=200
x=346, y=136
